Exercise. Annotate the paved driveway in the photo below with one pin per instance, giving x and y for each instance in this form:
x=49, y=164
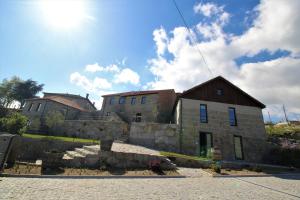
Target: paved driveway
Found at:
x=181, y=188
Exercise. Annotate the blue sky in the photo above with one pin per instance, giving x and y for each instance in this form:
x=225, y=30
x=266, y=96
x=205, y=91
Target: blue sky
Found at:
x=134, y=45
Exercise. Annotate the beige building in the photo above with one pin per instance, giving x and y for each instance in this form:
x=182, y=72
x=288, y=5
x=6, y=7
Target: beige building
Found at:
x=69, y=105
x=141, y=106
x=219, y=115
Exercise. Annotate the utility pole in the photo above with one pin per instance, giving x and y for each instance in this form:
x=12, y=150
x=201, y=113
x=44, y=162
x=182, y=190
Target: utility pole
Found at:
x=286, y=119
x=270, y=118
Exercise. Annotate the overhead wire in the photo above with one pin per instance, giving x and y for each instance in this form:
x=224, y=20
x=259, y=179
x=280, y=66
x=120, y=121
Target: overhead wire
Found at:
x=192, y=39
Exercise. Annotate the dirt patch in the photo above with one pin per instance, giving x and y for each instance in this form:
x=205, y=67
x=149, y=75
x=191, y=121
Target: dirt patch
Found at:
x=31, y=169
x=251, y=172
x=28, y=168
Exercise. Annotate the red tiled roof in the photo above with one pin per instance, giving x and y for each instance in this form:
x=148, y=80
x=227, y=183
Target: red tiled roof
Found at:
x=62, y=101
x=50, y=94
x=133, y=93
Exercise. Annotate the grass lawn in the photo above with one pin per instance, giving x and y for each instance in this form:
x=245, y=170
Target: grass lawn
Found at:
x=171, y=154
x=289, y=131
x=66, y=139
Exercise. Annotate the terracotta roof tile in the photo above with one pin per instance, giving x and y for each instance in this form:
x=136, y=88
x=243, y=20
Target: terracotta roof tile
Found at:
x=133, y=93
x=62, y=100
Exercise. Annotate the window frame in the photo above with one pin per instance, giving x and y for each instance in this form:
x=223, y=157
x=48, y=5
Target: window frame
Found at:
x=235, y=119
x=30, y=107
x=111, y=100
x=122, y=100
x=133, y=100
x=206, y=115
x=143, y=100
x=38, y=107
x=221, y=92
x=242, y=147
x=138, y=116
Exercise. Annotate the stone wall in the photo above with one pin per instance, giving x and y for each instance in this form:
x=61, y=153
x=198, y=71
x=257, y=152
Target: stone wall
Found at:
x=133, y=160
x=250, y=126
x=94, y=129
x=33, y=149
x=154, y=135
x=148, y=110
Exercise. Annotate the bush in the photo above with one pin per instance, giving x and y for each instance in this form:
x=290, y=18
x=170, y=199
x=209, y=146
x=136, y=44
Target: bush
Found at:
x=284, y=156
x=54, y=119
x=3, y=111
x=14, y=123
x=215, y=167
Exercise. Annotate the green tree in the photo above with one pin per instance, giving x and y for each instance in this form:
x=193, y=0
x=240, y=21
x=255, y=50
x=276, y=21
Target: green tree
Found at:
x=25, y=90
x=6, y=91
x=14, y=123
x=53, y=119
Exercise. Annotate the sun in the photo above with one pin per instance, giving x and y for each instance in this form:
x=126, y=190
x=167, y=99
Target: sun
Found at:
x=64, y=14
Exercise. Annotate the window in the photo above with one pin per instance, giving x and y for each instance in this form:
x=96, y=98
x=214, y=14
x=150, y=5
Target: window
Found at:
x=38, y=107
x=111, y=101
x=238, y=148
x=232, y=117
x=220, y=92
x=203, y=113
x=138, y=117
x=133, y=100
x=143, y=101
x=30, y=107
x=122, y=100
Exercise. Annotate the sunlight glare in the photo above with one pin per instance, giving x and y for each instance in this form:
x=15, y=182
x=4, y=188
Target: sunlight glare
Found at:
x=64, y=14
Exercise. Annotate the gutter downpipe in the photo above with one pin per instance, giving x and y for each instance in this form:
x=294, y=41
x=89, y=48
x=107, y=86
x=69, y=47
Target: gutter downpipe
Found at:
x=180, y=127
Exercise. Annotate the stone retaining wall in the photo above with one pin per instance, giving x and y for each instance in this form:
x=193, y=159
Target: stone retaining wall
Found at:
x=154, y=135
x=93, y=129
x=33, y=149
x=133, y=161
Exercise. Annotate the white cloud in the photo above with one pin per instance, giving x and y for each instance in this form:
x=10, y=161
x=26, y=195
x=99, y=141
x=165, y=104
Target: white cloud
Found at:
x=89, y=85
x=161, y=39
x=276, y=27
x=127, y=76
x=207, y=9
x=274, y=82
x=97, y=68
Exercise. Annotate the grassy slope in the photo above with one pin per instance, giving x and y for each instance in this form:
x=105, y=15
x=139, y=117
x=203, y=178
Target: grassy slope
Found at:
x=66, y=139
x=171, y=154
x=288, y=131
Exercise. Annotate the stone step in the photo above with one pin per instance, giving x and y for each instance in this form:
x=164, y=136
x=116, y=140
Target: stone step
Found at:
x=85, y=152
x=66, y=157
x=74, y=154
x=94, y=148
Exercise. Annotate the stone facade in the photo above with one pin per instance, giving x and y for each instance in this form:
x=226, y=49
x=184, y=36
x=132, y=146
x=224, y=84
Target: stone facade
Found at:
x=157, y=106
x=250, y=127
x=154, y=135
x=70, y=106
x=93, y=129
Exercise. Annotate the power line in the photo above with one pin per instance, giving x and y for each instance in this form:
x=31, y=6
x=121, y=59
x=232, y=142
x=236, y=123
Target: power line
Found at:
x=191, y=37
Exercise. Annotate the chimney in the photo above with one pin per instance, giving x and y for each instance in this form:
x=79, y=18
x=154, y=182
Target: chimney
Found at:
x=87, y=95
x=93, y=103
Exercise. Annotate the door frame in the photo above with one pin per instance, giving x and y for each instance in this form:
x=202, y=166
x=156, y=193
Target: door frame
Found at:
x=242, y=147
x=211, y=140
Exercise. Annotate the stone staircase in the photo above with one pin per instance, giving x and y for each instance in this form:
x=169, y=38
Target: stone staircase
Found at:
x=122, y=156
x=87, y=156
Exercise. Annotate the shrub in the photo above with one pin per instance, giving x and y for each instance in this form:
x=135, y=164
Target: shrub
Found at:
x=284, y=156
x=3, y=111
x=14, y=123
x=53, y=119
x=216, y=167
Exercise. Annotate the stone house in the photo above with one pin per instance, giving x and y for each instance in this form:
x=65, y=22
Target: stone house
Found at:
x=141, y=106
x=69, y=105
x=219, y=115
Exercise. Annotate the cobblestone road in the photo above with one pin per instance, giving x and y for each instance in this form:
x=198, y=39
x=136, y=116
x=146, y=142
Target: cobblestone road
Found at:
x=184, y=188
